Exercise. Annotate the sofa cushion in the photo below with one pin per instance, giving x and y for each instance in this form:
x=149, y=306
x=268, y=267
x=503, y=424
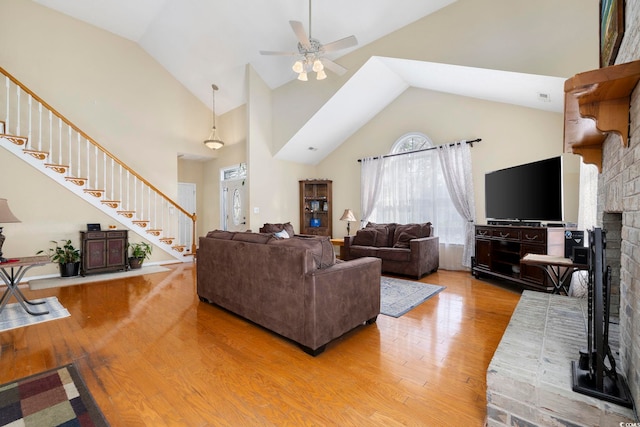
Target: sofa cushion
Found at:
x=362, y=251
x=321, y=248
x=406, y=232
x=221, y=234
x=275, y=228
x=395, y=254
x=385, y=231
x=252, y=237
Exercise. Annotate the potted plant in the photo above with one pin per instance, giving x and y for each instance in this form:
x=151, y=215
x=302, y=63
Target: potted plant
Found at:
x=67, y=257
x=139, y=252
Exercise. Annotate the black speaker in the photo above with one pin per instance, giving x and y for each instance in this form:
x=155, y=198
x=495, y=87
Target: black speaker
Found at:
x=572, y=238
x=580, y=255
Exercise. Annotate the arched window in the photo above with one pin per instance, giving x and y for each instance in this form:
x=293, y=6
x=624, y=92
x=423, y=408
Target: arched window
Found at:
x=412, y=141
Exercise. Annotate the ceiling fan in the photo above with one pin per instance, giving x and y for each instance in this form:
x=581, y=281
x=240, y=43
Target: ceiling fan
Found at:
x=311, y=52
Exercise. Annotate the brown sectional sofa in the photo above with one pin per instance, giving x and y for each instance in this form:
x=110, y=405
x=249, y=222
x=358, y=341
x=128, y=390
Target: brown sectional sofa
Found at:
x=407, y=249
x=294, y=287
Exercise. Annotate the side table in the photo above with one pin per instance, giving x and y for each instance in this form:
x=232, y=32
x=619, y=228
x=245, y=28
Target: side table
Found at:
x=558, y=269
x=12, y=273
x=339, y=243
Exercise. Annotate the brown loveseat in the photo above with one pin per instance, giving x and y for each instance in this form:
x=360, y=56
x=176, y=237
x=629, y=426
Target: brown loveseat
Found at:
x=294, y=287
x=407, y=249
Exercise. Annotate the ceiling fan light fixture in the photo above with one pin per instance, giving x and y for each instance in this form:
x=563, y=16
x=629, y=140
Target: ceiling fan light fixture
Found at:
x=317, y=65
x=298, y=67
x=213, y=142
x=321, y=75
x=303, y=76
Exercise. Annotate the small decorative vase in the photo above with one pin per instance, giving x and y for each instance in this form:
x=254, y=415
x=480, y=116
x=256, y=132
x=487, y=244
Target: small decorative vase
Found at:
x=315, y=222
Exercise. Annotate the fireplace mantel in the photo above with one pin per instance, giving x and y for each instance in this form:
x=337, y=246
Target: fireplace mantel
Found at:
x=596, y=103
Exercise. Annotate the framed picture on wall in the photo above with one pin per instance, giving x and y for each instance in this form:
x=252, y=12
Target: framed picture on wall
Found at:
x=611, y=30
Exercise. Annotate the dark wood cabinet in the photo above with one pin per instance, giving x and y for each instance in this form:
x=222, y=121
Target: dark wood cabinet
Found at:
x=316, y=204
x=499, y=250
x=103, y=251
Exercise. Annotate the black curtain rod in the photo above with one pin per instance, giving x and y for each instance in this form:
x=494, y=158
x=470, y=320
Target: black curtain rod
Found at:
x=424, y=149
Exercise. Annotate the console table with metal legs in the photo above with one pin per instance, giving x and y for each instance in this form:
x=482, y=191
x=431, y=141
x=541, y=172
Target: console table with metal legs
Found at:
x=12, y=273
x=558, y=269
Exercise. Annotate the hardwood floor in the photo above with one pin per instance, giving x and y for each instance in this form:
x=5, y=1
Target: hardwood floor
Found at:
x=152, y=354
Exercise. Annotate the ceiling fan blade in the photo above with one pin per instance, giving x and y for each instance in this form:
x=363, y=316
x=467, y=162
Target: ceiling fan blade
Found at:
x=338, y=69
x=298, y=29
x=271, y=52
x=340, y=44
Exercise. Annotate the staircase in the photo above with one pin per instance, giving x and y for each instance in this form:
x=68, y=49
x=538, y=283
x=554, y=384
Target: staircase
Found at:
x=36, y=133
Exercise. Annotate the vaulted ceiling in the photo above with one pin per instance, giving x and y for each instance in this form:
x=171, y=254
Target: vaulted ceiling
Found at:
x=205, y=42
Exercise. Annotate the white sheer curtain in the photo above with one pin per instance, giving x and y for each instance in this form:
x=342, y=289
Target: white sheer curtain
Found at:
x=370, y=180
x=413, y=190
x=587, y=219
x=455, y=161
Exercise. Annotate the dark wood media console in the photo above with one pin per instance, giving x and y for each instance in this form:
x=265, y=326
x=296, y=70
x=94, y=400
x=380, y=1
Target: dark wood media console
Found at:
x=499, y=249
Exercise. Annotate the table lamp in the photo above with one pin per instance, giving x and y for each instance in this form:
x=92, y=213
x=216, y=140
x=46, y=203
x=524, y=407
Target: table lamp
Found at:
x=5, y=216
x=349, y=217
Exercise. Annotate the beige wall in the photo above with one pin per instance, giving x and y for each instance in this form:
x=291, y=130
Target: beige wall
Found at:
x=273, y=184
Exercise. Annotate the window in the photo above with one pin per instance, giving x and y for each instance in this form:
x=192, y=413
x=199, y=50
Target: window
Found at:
x=413, y=190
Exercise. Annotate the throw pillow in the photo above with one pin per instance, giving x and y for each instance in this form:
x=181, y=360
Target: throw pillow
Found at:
x=403, y=240
x=365, y=237
x=387, y=229
x=282, y=234
x=274, y=228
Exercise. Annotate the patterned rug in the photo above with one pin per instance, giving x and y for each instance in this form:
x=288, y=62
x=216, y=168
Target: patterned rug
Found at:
x=58, y=397
x=13, y=315
x=398, y=296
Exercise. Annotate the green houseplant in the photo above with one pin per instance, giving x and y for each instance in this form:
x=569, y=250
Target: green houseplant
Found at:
x=67, y=257
x=139, y=252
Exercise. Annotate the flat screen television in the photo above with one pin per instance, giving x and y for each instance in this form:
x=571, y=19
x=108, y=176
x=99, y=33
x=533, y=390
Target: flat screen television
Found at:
x=528, y=192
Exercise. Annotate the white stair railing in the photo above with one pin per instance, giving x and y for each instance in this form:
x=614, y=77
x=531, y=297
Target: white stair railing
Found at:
x=61, y=150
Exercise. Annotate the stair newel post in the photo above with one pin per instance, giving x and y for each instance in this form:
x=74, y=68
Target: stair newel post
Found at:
x=193, y=233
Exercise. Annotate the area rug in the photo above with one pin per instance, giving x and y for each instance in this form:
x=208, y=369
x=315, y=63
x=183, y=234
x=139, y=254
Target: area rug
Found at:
x=398, y=296
x=58, y=397
x=58, y=282
x=13, y=315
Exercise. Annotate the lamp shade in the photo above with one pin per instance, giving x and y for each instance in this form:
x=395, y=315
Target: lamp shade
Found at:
x=348, y=216
x=5, y=213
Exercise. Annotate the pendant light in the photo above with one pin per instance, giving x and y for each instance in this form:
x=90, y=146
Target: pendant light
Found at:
x=213, y=142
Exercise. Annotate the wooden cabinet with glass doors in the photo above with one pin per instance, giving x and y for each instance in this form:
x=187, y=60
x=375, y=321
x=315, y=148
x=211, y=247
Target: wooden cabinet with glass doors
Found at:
x=316, y=205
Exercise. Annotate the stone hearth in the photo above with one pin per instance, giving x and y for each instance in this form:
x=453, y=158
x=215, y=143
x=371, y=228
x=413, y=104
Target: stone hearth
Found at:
x=529, y=378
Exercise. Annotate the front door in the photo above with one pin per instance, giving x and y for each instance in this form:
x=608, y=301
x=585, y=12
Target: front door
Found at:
x=234, y=206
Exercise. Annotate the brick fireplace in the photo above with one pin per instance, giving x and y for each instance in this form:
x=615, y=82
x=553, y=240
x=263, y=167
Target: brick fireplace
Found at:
x=619, y=199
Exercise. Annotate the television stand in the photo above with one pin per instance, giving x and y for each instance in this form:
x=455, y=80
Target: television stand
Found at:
x=515, y=222
x=500, y=249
